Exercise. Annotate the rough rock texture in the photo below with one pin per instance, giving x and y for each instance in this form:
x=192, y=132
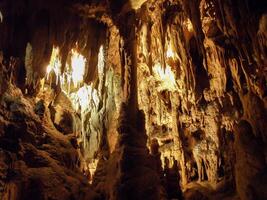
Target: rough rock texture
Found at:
x=198, y=78
x=37, y=161
x=173, y=98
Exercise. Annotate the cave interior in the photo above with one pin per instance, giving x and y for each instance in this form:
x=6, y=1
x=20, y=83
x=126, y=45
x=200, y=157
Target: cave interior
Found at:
x=133, y=100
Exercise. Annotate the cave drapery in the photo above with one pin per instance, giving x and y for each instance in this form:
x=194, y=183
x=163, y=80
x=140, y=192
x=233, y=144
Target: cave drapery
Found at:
x=133, y=99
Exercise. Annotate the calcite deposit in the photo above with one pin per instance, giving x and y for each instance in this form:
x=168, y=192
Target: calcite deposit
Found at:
x=133, y=99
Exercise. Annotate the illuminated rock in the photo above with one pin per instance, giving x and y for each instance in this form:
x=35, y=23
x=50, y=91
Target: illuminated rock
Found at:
x=138, y=99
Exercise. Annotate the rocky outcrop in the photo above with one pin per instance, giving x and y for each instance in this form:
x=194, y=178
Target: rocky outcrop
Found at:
x=37, y=161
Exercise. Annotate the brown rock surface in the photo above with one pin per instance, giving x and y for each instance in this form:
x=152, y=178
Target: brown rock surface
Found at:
x=133, y=99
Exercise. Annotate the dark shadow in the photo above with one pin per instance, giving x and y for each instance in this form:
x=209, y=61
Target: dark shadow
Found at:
x=172, y=179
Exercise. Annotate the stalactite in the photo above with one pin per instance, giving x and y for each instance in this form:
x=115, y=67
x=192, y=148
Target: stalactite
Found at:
x=183, y=78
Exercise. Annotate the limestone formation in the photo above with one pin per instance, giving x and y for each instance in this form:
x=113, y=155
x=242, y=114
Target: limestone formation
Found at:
x=133, y=99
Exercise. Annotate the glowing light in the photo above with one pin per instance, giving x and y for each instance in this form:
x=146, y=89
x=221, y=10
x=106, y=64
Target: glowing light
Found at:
x=165, y=76
x=78, y=67
x=170, y=53
x=87, y=97
x=84, y=96
x=48, y=69
x=54, y=64
x=73, y=73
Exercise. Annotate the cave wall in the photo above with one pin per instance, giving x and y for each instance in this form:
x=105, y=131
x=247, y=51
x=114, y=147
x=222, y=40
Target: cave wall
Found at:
x=218, y=63
x=200, y=72
x=215, y=52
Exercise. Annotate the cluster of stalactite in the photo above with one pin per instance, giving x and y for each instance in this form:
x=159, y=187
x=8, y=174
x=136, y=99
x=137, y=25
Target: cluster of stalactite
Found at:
x=219, y=65
x=200, y=73
x=65, y=65
x=185, y=79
